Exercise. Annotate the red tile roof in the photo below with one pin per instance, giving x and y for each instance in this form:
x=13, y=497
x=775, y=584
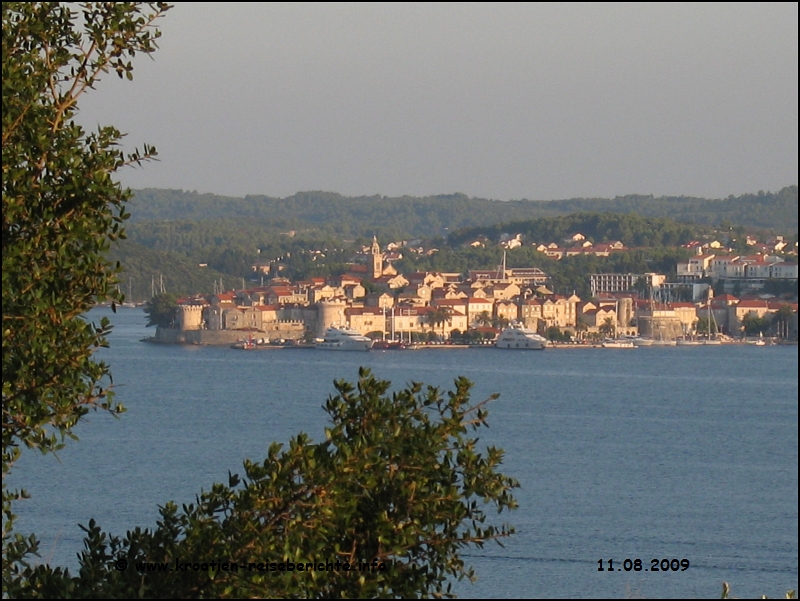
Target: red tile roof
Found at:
x=752, y=304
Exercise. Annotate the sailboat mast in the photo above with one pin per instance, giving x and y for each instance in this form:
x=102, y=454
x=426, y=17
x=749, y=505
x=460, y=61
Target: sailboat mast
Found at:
x=712, y=322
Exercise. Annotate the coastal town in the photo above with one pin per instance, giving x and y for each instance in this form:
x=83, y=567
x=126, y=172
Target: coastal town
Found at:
x=714, y=293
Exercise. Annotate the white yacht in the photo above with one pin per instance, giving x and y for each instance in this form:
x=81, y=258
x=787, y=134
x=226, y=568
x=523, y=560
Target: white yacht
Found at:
x=518, y=337
x=617, y=343
x=342, y=339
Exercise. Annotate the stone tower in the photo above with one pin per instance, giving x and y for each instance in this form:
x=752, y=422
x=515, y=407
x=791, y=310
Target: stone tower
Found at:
x=330, y=312
x=189, y=317
x=377, y=259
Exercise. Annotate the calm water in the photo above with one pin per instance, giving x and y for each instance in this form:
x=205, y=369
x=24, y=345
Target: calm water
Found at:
x=653, y=453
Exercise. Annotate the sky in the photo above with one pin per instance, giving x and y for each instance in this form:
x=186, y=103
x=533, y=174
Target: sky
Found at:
x=502, y=101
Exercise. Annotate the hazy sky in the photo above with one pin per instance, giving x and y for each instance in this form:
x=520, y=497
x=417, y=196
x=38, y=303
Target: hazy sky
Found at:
x=505, y=101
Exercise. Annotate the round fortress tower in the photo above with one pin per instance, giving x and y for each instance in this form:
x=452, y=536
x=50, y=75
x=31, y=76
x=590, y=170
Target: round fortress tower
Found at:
x=190, y=317
x=626, y=314
x=330, y=313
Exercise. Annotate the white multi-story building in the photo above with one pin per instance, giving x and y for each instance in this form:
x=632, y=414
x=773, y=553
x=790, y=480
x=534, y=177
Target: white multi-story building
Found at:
x=605, y=283
x=783, y=271
x=751, y=271
x=694, y=269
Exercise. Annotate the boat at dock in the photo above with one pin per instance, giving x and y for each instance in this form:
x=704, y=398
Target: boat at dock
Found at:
x=518, y=337
x=618, y=344
x=639, y=340
x=343, y=339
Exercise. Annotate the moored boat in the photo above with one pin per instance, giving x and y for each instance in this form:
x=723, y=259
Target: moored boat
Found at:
x=618, y=344
x=518, y=337
x=343, y=339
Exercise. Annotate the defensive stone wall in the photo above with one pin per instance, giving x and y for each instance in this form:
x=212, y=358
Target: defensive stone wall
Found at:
x=660, y=328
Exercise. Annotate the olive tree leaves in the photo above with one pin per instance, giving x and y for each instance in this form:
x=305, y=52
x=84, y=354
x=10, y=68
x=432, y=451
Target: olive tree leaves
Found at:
x=381, y=508
x=61, y=210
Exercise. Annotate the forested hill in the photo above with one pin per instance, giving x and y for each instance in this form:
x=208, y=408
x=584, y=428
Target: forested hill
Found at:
x=439, y=215
x=768, y=210
x=632, y=230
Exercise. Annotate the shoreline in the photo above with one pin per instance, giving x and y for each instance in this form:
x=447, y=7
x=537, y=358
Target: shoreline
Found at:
x=422, y=346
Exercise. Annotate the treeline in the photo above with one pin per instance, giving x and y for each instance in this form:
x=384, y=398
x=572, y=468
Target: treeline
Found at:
x=329, y=213
x=145, y=269
x=173, y=233
x=230, y=247
x=632, y=230
x=337, y=215
x=763, y=210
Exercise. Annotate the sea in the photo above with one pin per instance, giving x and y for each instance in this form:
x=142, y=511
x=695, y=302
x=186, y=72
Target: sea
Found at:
x=669, y=453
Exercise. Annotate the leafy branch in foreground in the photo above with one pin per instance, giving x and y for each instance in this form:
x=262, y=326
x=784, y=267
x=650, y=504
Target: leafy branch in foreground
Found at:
x=61, y=211
x=398, y=486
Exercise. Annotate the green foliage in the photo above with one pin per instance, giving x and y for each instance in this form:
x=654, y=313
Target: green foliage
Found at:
x=160, y=310
x=484, y=319
x=405, y=216
x=440, y=316
x=607, y=328
x=466, y=337
x=754, y=325
x=499, y=322
x=706, y=326
x=337, y=215
x=632, y=230
x=61, y=209
x=785, y=288
x=782, y=320
x=230, y=234
x=232, y=246
x=398, y=480
x=226, y=246
x=143, y=267
x=555, y=334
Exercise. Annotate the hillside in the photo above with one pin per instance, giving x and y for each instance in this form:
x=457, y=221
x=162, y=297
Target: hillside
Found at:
x=171, y=233
x=440, y=215
x=144, y=268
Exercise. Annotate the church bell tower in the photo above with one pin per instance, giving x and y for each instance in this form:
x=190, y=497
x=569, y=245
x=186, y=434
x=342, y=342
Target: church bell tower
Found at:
x=377, y=259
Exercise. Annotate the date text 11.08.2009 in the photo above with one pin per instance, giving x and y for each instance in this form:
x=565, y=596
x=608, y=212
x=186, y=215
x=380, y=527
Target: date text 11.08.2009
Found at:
x=656, y=565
